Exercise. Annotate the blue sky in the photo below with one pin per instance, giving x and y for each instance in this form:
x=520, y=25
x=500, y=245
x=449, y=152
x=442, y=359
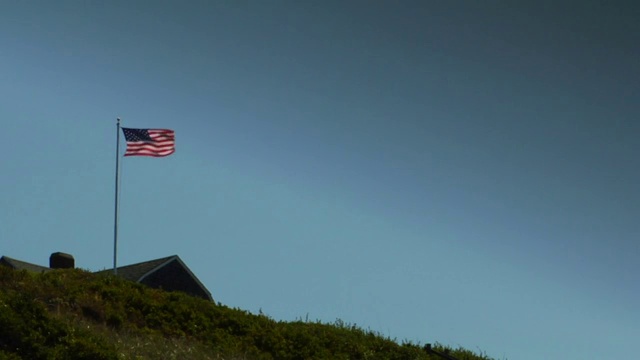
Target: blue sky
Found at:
x=460, y=172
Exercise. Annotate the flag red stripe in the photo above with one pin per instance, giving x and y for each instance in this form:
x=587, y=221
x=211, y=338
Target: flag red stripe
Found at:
x=150, y=149
x=150, y=154
x=148, y=145
x=157, y=151
x=162, y=143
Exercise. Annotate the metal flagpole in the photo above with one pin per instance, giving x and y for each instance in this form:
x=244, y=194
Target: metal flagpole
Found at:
x=115, y=222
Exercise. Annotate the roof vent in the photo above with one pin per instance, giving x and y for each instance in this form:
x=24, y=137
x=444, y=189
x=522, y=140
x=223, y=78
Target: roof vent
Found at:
x=60, y=260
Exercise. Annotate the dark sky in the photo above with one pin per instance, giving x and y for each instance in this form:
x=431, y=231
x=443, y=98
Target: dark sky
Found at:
x=455, y=171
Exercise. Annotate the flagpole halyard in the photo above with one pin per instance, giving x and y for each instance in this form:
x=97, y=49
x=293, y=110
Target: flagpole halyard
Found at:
x=115, y=222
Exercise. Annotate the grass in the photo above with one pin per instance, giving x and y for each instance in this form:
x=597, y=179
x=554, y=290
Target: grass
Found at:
x=73, y=314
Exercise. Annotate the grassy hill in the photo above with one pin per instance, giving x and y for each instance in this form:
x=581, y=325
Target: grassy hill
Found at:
x=73, y=314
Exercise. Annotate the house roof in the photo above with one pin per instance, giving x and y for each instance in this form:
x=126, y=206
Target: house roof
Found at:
x=22, y=265
x=136, y=272
x=140, y=271
x=170, y=273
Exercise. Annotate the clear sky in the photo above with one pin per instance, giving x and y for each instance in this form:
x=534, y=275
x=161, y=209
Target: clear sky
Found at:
x=463, y=172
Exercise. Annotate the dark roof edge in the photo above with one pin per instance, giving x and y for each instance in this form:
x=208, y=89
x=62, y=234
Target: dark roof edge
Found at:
x=193, y=276
x=169, y=259
x=23, y=265
x=126, y=267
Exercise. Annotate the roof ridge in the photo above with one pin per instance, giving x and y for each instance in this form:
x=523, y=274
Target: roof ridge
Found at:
x=135, y=272
x=166, y=261
x=20, y=264
x=146, y=262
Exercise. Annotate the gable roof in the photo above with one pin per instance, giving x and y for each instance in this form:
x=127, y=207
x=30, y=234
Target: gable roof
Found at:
x=144, y=270
x=136, y=272
x=169, y=273
x=22, y=265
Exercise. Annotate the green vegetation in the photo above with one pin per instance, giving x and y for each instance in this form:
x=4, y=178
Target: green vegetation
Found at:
x=73, y=314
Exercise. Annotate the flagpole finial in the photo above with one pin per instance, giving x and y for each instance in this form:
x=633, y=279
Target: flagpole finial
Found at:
x=118, y=119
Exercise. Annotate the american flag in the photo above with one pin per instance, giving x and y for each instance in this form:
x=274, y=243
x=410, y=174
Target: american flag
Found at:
x=149, y=142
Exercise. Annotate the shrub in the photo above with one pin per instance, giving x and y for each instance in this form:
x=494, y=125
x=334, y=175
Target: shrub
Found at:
x=73, y=314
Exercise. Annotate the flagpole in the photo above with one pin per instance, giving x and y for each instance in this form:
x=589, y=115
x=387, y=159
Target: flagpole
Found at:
x=115, y=222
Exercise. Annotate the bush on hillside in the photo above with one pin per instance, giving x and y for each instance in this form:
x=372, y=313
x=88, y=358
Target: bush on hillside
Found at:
x=45, y=316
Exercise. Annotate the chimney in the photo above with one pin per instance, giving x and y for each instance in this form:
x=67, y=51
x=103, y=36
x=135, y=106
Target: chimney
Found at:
x=60, y=260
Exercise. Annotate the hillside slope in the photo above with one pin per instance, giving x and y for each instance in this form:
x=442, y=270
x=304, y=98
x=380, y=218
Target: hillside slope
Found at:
x=72, y=314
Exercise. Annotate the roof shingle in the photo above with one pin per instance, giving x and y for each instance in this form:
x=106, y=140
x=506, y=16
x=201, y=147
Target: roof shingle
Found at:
x=22, y=265
x=136, y=271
